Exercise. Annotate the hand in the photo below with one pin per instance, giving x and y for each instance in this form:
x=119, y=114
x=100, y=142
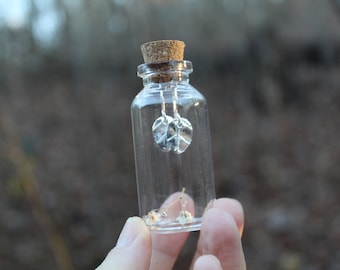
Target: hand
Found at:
x=219, y=244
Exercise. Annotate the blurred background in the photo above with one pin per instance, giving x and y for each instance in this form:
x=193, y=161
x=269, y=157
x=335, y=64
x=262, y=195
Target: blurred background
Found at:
x=270, y=70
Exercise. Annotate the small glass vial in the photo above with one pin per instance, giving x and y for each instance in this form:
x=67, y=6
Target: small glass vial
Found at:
x=172, y=145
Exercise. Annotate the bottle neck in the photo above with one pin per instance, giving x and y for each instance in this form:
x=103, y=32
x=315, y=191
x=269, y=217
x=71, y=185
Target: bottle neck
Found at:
x=165, y=72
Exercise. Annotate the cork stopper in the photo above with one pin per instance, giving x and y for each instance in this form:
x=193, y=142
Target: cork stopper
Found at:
x=162, y=51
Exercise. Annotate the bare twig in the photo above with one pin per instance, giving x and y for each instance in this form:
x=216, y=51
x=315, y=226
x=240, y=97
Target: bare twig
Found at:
x=26, y=176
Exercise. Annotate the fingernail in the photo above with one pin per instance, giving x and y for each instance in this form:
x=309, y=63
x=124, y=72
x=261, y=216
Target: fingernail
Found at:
x=207, y=262
x=129, y=233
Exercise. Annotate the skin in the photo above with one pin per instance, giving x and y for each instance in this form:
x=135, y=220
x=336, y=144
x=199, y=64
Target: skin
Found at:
x=219, y=245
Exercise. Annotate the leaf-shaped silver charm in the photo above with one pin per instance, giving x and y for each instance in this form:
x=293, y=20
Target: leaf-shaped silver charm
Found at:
x=160, y=132
x=179, y=134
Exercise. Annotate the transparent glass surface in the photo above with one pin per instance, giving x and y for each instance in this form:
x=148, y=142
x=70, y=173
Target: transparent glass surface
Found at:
x=172, y=146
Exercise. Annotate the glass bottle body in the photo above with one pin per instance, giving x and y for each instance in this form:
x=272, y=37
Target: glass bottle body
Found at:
x=173, y=159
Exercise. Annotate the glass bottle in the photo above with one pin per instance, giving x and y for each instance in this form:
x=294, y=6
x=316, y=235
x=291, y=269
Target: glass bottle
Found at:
x=174, y=170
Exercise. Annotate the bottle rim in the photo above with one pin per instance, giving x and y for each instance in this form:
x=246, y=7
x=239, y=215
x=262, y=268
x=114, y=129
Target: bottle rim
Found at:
x=164, y=67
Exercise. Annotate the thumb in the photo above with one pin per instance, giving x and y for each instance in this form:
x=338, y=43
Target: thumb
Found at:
x=133, y=249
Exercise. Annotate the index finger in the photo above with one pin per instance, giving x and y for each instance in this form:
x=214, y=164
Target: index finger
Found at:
x=222, y=226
